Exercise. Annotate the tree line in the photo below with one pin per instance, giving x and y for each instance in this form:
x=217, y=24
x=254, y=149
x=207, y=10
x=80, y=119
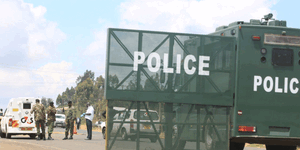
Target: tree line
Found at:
x=88, y=89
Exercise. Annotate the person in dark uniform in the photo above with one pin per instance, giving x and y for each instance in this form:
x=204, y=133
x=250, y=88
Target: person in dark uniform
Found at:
x=51, y=111
x=70, y=118
x=39, y=117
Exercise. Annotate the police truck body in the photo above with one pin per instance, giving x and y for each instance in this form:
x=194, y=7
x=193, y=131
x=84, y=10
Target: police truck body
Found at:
x=266, y=85
x=237, y=85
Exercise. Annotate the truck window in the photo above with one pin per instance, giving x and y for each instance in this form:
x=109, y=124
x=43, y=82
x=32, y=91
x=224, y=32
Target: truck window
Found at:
x=26, y=106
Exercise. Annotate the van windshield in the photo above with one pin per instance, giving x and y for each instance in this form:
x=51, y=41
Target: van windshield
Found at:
x=144, y=115
x=60, y=117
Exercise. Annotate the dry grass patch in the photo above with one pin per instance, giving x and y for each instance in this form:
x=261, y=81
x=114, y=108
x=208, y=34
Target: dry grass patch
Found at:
x=96, y=129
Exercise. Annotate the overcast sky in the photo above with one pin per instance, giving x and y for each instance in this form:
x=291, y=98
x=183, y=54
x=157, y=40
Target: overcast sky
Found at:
x=46, y=45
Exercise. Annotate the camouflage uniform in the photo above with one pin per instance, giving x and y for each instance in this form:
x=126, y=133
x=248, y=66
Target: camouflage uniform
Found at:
x=39, y=117
x=51, y=111
x=70, y=118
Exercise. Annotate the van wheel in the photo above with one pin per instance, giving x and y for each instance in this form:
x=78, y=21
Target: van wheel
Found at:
x=181, y=145
x=3, y=135
x=124, y=134
x=32, y=136
x=103, y=133
x=132, y=138
x=8, y=136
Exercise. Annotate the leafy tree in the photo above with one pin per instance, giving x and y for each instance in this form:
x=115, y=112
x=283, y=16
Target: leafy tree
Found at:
x=45, y=101
x=88, y=74
x=59, y=100
x=113, y=81
x=148, y=84
x=86, y=90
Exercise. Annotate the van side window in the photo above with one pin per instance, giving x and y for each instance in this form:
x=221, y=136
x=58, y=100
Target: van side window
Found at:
x=26, y=106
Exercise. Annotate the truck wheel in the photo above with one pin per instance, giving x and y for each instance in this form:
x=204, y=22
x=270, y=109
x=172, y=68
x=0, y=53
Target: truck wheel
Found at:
x=237, y=146
x=124, y=134
x=278, y=147
x=210, y=137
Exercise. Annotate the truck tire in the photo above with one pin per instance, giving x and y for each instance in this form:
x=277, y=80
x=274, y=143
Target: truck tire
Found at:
x=278, y=147
x=237, y=146
x=124, y=135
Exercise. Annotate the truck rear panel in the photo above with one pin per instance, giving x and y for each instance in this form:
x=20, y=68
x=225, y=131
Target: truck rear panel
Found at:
x=267, y=83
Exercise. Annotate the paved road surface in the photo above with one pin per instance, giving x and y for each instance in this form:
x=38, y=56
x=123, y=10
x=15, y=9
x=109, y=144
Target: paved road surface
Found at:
x=78, y=143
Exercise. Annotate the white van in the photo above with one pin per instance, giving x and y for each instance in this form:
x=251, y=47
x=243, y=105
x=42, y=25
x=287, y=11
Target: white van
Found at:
x=17, y=119
x=60, y=120
x=129, y=130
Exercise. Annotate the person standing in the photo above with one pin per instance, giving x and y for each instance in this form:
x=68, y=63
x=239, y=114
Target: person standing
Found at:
x=89, y=115
x=51, y=111
x=70, y=118
x=78, y=122
x=39, y=117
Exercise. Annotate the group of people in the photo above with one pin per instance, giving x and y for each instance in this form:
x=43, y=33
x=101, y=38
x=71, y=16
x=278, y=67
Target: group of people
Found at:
x=39, y=117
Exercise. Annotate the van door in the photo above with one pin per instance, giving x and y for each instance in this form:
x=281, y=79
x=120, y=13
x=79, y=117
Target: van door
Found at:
x=26, y=119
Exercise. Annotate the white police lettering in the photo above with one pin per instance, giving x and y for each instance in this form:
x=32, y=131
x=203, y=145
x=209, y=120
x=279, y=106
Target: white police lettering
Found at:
x=139, y=58
x=166, y=61
x=269, y=83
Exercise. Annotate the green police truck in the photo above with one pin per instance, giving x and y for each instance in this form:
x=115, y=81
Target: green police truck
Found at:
x=266, y=86
x=236, y=85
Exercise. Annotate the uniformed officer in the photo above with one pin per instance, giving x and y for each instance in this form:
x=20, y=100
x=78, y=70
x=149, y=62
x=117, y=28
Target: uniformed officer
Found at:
x=51, y=111
x=70, y=118
x=39, y=117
